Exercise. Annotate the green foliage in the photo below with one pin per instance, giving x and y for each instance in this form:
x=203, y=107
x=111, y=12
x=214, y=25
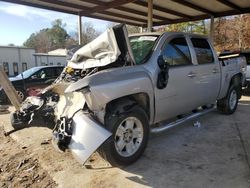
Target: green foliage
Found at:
x=133, y=29
x=198, y=27
x=50, y=38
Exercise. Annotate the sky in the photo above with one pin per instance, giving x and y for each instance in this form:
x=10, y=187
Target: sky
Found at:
x=18, y=22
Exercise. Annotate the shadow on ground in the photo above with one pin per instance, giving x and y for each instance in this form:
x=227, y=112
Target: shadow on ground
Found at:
x=214, y=155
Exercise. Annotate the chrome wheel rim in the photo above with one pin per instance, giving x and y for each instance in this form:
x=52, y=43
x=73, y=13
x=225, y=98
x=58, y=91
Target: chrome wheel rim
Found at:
x=128, y=136
x=20, y=94
x=233, y=99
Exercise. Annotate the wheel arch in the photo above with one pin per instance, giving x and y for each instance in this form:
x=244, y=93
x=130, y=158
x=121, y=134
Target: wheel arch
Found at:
x=236, y=80
x=125, y=103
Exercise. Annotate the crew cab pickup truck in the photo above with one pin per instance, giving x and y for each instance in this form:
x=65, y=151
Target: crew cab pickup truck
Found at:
x=117, y=89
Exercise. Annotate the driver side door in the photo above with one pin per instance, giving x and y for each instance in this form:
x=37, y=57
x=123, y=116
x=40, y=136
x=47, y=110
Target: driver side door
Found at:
x=179, y=96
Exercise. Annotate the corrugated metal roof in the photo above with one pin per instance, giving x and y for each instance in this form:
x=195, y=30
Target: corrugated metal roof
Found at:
x=134, y=12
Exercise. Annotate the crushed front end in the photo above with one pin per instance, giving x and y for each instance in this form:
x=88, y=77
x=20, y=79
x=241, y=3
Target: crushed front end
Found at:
x=69, y=104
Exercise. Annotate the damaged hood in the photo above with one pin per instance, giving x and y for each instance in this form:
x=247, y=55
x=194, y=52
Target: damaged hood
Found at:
x=104, y=50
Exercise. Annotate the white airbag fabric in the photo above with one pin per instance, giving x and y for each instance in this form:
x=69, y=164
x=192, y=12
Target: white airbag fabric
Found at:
x=100, y=52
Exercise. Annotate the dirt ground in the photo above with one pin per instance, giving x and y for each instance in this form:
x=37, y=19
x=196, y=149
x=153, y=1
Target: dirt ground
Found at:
x=18, y=168
x=215, y=154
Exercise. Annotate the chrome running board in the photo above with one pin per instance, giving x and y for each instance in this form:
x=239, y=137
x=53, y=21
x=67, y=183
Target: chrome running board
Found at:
x=167, y=126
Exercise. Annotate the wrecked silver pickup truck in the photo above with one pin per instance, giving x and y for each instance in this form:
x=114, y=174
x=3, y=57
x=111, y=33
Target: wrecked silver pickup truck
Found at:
x=117, y=89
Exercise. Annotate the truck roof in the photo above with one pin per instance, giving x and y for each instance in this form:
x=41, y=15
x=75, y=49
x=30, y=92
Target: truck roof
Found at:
x=162, y=33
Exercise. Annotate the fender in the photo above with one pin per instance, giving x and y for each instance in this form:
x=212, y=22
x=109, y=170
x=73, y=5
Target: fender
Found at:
x=111, y=84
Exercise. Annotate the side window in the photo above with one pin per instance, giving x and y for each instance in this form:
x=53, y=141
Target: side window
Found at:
x=44, y=73
x=203, y=51
x=24, y=66
x=15, y=68
x=58, y=71
x=6, y=68
x=176, y=52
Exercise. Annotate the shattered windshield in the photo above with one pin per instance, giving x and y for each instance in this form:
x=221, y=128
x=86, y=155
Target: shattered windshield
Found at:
x=141, y=46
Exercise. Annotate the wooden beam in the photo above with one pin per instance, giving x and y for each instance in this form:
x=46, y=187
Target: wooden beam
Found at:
x=86, y=11
x=95, y=2
x=47, y=7
x=123, y=16
x=9, y=89
x=79, y=29
x=117, y=20
x=195, y=18
x=211, y=34
x=133, y=11
x=231, y=5
x=193, y=6
x=203, y=17
x=108, y=5
x=150, y=15
x=162, y=9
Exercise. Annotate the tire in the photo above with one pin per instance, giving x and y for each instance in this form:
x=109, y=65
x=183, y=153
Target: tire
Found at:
x=229, y=104
x=17, y=123
x=126, y=145
x=21, y=93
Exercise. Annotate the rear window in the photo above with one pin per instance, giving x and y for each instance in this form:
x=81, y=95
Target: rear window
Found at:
x=203, y=51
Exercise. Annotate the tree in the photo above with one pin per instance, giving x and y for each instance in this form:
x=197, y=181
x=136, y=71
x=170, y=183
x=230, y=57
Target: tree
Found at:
x=50, y=38
x=88, y=32
x=198, y=27
x=232, y=33
x=133, y=29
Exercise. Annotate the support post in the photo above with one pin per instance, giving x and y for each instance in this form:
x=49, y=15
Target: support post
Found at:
x=9, y=89
x=79, y=29
x=141, y=29
x=212, y=29
x=150, y=15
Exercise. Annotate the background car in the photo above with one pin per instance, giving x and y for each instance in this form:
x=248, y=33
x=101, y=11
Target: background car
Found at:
x=31, y=81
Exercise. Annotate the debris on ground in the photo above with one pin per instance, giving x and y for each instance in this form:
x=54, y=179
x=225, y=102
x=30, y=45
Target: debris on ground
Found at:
x=46, y=141
x=18, y=168
x=197, y=124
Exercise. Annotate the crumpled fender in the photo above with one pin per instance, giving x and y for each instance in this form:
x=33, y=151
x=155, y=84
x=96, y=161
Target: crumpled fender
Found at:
x=111, y=84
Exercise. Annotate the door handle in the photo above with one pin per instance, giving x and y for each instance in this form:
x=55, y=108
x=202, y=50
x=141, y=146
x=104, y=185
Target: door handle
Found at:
x=191, y=75
x=215, y=70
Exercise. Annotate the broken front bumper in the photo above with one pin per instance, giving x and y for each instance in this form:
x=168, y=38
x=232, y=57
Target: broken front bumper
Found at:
x=87, y=136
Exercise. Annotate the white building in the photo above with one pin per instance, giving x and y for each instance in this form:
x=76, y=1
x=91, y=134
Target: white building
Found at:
x=56, y=57
x=18, y=59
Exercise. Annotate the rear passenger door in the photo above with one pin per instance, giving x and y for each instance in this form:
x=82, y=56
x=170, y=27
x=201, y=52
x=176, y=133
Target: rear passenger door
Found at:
x=208, y=70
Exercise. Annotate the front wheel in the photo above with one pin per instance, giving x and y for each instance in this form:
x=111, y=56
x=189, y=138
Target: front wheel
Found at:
x=229, y=104
x=129, y=139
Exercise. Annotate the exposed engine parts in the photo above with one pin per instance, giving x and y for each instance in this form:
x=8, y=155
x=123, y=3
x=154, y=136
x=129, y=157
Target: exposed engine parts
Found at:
x=62, y=133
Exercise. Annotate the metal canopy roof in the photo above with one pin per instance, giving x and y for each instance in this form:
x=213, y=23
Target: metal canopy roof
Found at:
x=135, y=12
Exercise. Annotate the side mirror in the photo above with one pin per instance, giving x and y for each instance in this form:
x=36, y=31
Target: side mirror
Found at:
x=163, y=76
x=162, y=63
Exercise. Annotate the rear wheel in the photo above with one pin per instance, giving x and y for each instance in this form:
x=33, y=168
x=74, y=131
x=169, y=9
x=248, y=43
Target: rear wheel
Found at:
x=21, y=94
x=229, y=104
x=129, y=139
